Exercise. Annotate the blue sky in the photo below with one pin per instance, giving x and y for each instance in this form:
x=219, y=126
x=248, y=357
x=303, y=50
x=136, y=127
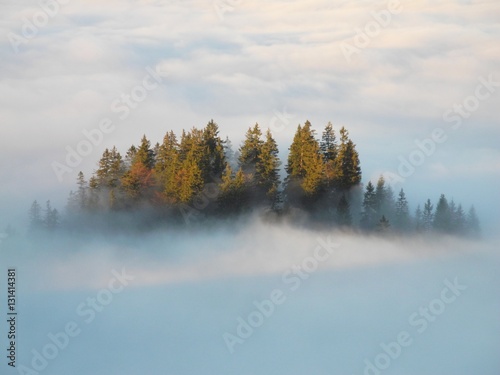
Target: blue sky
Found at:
x=241, y=62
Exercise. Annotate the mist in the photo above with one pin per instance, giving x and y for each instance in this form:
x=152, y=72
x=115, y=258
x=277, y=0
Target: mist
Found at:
x=256, y=297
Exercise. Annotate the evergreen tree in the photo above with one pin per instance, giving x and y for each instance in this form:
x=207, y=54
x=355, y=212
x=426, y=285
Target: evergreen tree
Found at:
x=328, y=144
x=419, y=223
x=233, y=195
x=213, y=162
x=472, y=224
x=229, y=154
x=304, y=168
x=402, y=214
x=144, y=154
x=458, y=220
x=81, y=193
x=348, y=170
x=427, y=216
x=267, y=170
x=344, y=218
x=442, y=216
x=35, y=217
x=51, y=218
x=250, y=151
x=166, y=167
x=369, y=207
x=383, y=225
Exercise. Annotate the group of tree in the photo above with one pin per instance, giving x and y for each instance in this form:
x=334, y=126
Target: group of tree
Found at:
x=43, y=219
x=200, y=173
x=383, y=212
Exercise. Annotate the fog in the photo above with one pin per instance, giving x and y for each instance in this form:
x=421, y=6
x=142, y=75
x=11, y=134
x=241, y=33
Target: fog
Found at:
x=311, y=302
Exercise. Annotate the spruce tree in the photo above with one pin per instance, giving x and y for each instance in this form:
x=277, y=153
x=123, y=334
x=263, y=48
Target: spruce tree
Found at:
x=250, y=151
x=344, y=218
x=35, y=217
x=267, y=170
x=369, y=207
x=347, y=166
x=442, y=216
x=427, y=216
x=473, y=228
x=402, y=214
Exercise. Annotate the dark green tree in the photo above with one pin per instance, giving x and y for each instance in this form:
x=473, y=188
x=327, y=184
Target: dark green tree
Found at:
x=344, y=218
x=442, y=216
x=369, y=207
x=402, y=214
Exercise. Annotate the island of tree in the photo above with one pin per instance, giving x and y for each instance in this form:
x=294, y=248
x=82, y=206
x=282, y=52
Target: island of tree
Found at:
x=200, y=178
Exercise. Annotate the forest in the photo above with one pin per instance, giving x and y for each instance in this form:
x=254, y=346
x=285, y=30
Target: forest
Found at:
x=200, y=178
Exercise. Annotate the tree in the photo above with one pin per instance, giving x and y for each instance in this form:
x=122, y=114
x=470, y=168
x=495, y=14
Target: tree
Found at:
x=51, y=219
x=35, y=217
x=402, y=214
x=348, y=170
x=344, y=218
x=233, y=195
x=383, y=225
x=166, y=167
x=250, y=151
x=213, y=162
x=458, y=219
x=304, y=167
x=144, y=154
x=81, y=193
x=427, y=216
x=369, y=207
x=419, y=219
x=267, y=170
x=442, y=216
x=229, y=154
x=328, y=144
x=136, y=183
x=473, y=228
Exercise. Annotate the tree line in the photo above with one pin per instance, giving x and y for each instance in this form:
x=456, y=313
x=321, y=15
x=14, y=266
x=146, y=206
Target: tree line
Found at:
x=200, y=175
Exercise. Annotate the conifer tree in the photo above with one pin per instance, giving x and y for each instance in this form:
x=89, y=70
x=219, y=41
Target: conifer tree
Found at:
x=402, y=214
x=369, y=207
x=427, y=216
x=419, y=224
x=51, y=217
x=472, y=223
x=347, y=170
x=144, y=154
x=35, y=217
x=213, y=162
x=344, y=218
x=383, y=225
x=305, y=167
x=233, y=195
x=250, y=150
x=267, y=170
x=166, y=167
x=442, y=216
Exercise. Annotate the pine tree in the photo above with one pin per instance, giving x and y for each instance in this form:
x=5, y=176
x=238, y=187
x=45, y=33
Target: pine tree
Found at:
x=347, y=170
x=35, y=217
x=369, y=207
x=250, y=151
x=233, y=196
x=419, y=224
x=442, y=216
x=427, y=216
x=51, y=217
x=472, y=224
x=383, y=225
x=402, y=214
x=213, y=162
x=229, y=154
x=166, y=167
x=344, y=218
x=458, y=221
x=328, y=144
x=304, y=182
x=145, y=154
x=81, y=193
x=267, y=170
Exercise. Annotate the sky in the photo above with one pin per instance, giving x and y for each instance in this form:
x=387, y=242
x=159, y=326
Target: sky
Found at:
x=394, y=73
